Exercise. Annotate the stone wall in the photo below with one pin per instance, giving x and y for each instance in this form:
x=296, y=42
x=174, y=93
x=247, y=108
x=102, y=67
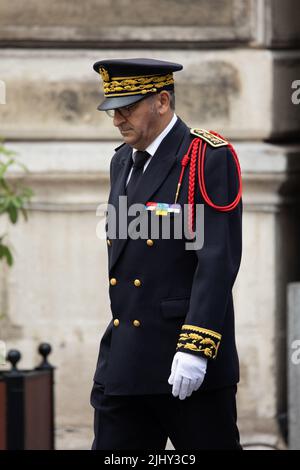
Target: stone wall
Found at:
x=240, y=58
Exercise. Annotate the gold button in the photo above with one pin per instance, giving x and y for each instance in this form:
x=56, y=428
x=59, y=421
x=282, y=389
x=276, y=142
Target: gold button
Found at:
x=109, y=242
x=150, y=242
x=137, y=283
x=116, y=322
x=113, y=281
x=136, y=323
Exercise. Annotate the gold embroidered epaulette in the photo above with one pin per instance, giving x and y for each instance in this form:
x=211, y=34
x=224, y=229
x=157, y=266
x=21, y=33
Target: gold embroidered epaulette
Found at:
x=210, y=138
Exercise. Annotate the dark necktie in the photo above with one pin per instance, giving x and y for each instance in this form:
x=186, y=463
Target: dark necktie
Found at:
x=137, y=171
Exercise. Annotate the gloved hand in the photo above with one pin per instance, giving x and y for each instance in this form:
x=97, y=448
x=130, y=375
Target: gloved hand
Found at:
x=187, y=374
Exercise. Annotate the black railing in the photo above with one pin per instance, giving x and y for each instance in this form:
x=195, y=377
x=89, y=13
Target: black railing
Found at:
x=27, y=404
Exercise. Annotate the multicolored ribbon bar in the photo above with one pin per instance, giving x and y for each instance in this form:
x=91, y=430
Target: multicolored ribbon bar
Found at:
x=162, y=208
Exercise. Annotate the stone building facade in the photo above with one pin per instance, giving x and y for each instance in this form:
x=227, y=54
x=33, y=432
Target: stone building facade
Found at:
x=240, y=60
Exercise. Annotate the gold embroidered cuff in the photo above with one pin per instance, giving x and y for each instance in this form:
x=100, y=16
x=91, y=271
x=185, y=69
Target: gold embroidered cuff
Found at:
x=199, y=340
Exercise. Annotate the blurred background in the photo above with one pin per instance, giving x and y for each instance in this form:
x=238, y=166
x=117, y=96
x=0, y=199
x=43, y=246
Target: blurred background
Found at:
x=241, y=66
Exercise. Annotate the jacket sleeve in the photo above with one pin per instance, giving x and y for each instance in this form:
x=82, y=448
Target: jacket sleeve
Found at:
x=218, y=260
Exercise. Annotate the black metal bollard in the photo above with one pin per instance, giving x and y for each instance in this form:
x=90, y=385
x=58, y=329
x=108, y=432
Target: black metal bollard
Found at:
x=27, y=404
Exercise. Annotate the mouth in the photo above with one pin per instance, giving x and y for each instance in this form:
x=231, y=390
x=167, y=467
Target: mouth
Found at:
x=125, y=131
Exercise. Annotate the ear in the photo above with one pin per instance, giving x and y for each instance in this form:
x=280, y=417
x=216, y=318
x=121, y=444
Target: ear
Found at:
x=164, y=99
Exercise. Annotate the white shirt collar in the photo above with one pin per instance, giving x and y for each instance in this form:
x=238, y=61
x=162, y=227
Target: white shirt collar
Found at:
x=151, y=149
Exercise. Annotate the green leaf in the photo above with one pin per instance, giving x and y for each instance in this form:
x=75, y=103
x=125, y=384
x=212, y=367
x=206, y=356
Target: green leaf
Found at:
x=4, y=167
x=6, y=152
x=17, y=201
x=13, y=213
x=5, y=185
x=6, y=253
x=13, y=196
x=4, y=203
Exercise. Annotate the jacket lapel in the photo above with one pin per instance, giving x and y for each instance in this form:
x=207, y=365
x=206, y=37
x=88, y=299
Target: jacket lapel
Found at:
x=117, y=190
x=118, y=186
x=153, y=177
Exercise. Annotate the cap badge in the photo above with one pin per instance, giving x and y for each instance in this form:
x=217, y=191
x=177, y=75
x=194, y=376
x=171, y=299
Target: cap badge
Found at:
x=104, y=74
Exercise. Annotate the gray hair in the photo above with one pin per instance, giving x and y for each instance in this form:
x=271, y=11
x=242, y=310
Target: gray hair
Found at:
x=172, y=99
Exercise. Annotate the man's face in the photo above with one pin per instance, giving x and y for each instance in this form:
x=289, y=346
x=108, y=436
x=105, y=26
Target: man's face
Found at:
x=140, y=128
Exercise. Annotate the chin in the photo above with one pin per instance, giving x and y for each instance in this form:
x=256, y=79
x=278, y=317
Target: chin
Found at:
x=128, y=138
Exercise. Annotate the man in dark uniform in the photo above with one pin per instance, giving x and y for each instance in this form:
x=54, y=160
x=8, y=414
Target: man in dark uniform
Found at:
x=167, y=365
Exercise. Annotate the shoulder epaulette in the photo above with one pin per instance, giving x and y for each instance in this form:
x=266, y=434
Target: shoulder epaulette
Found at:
x=212, y=139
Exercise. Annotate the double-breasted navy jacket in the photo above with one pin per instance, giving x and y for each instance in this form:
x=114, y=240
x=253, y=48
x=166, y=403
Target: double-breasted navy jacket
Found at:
x=165, y=298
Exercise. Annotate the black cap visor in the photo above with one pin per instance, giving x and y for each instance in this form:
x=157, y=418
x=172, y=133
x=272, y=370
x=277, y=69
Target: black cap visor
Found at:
x=115, y=102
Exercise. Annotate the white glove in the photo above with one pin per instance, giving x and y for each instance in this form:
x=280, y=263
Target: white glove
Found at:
x=187, y=374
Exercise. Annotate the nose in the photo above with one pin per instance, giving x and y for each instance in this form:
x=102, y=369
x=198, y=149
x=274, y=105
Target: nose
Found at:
x=118, y=118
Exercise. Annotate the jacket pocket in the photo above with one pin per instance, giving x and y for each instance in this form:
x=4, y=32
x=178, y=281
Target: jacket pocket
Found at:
x=175, y=307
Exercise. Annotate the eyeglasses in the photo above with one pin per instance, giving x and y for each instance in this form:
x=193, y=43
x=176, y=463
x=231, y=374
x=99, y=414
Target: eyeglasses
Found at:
x=125, y=111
